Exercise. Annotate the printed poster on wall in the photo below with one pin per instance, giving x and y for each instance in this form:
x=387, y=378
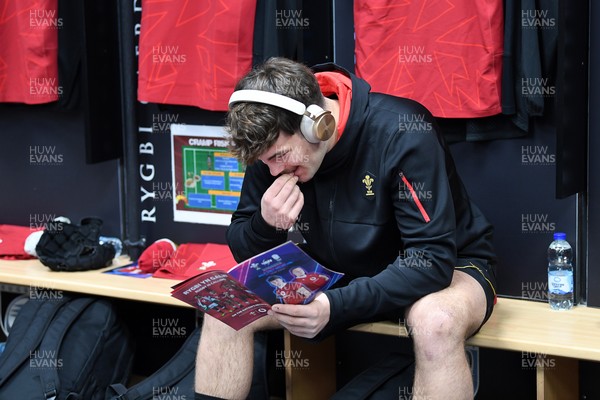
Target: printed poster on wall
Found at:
x=207, y=179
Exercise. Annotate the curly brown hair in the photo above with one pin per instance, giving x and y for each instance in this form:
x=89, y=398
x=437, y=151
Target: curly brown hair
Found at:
x=254, y=127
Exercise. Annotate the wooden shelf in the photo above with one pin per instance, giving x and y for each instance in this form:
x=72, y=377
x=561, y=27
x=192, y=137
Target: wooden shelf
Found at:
x=32, y=273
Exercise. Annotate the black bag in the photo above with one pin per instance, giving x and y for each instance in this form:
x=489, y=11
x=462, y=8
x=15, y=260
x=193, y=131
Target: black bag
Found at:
x=65, y=348
x=175, y=379
x=70, y=247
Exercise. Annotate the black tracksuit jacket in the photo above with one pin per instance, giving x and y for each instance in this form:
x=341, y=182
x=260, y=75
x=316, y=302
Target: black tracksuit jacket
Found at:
x=396, y=241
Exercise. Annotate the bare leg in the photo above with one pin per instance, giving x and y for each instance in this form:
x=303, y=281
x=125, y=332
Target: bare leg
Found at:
x=439, y=324
x=225, y=358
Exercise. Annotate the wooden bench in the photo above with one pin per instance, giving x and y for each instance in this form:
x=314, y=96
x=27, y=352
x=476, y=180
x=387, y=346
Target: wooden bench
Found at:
x=516, y=325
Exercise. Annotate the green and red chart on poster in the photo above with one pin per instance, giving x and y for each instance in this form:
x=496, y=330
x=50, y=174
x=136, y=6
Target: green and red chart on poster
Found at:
x=207, y=179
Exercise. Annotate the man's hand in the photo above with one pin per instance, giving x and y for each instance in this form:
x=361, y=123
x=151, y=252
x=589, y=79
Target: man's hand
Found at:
x=282, y=202
x=305, y=320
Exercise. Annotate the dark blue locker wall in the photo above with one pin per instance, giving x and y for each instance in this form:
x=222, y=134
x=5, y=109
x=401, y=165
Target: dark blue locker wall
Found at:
x=514, y=186
x=593, y=272
x=44, y=172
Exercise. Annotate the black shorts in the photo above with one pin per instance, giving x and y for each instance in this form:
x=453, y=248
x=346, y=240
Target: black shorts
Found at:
x=480, y=270
x=485, y=274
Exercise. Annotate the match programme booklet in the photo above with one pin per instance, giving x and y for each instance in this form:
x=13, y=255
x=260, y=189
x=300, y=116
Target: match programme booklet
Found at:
x=284, y=274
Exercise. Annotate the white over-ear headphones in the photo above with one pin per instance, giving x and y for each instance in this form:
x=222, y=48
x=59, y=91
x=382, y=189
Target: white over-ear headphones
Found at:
x=317, y=124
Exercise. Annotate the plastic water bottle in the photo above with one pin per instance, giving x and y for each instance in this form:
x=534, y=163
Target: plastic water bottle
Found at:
x=560, y=273
x=115, y=242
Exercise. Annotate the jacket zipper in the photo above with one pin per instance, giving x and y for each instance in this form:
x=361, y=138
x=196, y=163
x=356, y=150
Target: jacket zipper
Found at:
x=331, y=203
x=415, y=198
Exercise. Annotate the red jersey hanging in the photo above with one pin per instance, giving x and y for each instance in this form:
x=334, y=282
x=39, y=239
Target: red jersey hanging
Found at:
x=194, y=52
x=29, y=51
x=446, y=54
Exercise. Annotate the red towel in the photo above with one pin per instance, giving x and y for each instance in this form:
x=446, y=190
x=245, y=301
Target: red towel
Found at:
x=12, y=241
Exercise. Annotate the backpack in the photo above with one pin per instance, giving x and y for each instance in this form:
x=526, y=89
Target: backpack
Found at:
x=65, y=348
x=175, y=379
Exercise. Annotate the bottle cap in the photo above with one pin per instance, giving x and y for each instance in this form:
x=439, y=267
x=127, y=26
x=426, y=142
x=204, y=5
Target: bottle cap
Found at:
x=560, y=236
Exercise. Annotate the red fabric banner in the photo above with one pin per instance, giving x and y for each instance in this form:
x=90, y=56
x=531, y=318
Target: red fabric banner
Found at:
x=447, y=55
x=29, y=51
x=194, y=52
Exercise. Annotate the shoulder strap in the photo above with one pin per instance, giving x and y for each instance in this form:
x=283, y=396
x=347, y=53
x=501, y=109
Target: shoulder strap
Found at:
x=51, y=342
x=117, y=389
x=179, y=366
x=30, y=326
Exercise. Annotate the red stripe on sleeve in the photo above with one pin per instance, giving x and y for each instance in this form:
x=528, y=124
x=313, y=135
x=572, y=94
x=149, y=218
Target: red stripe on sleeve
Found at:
x=415, y=198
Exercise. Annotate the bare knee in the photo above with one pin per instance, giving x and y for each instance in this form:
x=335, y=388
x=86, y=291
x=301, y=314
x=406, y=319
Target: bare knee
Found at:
x=436, y=329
